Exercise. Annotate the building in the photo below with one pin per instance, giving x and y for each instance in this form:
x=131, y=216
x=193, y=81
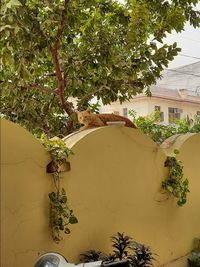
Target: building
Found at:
x=173, y=104
x=167, y=96
x=187, y=77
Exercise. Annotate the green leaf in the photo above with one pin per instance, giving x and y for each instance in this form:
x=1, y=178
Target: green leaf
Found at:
x=176, y=151
x=170, y=188
x=9, y=5
x=73, y=220
x=13, y=3
x=52, y=196
x=2, y=28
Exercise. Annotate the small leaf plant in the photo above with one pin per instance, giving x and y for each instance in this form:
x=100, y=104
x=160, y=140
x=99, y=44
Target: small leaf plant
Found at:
x=60, y=214
x=124, y=248
x=175, y=183
x=194, y=256
x=121, y=244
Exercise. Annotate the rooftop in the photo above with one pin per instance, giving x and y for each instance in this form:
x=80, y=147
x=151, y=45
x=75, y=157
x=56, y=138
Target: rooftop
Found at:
x=187, y=77
x=182, y=95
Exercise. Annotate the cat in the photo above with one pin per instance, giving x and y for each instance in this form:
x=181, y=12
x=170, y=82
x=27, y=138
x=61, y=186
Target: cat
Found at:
x=91, y=120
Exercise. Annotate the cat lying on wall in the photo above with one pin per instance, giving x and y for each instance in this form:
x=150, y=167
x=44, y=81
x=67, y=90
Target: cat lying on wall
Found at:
x=91, y=120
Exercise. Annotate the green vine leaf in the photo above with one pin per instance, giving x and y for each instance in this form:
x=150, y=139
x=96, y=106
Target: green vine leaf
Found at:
x=73, y=220
x=57, y=148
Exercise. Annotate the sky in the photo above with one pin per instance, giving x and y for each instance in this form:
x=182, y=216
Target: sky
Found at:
x=189, y=42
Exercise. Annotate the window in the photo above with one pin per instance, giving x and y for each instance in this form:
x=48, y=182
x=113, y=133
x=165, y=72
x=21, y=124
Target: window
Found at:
x=198, y=113
x=158, y=108
x=161, y=116
x=125, y=112
x=174, y=114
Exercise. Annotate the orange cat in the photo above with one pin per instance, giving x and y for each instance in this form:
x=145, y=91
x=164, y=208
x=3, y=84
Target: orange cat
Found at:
x=90, y=119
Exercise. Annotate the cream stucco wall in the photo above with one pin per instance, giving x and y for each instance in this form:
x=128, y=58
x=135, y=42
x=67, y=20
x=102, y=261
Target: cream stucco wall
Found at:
x=113, y=185
x=141, y=106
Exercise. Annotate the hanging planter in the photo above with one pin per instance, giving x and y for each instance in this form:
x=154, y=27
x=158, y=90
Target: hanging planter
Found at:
x=60, y=214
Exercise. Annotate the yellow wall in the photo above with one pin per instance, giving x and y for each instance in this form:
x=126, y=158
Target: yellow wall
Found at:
x=113, y=185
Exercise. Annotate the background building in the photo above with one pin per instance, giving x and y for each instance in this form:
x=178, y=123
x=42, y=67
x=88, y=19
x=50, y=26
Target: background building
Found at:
x=177, y=95
x=187, y=77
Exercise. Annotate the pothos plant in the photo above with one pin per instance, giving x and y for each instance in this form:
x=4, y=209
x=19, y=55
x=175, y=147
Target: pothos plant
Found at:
x=175, y=183
x=60, y=214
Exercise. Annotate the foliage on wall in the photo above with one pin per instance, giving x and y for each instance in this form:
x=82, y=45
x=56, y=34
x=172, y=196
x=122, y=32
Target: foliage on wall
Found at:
x=151, y=126
x=60, y=213
x=174, y=183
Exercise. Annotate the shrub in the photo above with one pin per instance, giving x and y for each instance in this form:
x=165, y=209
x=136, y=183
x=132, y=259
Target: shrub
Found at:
x=138, y=255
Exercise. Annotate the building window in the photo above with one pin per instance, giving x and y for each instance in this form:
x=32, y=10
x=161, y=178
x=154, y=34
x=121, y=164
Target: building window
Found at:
x=174, y=114
x=125, y=112
x=161, y=116
x=158, y=108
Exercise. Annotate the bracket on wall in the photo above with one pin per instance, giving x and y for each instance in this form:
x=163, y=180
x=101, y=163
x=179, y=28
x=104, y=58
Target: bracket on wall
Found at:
x=53, y=166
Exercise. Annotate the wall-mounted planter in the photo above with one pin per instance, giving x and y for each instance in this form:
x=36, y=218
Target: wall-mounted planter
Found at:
x=54, y=167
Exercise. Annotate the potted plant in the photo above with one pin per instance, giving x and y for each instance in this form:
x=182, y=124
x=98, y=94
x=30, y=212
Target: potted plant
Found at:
x=194, y=259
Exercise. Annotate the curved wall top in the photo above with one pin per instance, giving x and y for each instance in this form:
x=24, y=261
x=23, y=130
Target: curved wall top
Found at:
x=177, y=142
x=113, y=185
x=14, y=138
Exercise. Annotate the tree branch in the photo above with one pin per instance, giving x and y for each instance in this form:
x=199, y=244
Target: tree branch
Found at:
x=54, y=52
x=61, y=27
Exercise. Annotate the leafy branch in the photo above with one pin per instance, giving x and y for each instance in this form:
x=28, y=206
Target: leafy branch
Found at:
x=60, y=214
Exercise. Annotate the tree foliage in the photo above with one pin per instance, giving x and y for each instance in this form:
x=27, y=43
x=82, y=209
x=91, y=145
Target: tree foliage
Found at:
x=54, y=50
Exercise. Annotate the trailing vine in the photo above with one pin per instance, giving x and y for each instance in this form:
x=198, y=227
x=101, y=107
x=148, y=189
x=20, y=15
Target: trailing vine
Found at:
x=175, y=183
x=60, y=214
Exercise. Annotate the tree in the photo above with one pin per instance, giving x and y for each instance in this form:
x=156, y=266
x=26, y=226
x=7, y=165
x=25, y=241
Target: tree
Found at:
x=54, y=50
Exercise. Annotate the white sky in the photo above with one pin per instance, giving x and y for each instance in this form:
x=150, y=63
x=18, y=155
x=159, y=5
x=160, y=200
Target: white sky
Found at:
x=189, y=42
